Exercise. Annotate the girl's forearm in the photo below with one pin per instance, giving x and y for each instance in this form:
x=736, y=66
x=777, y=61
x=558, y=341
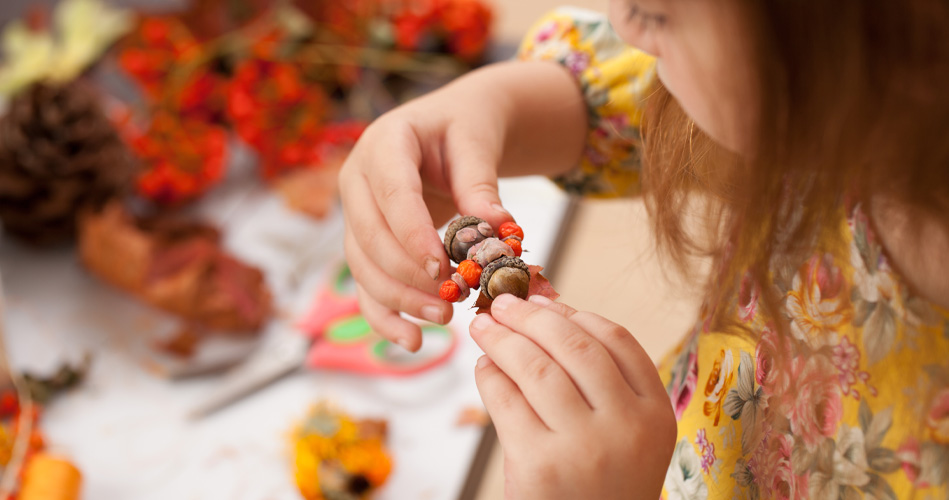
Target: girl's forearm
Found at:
x=537, y=107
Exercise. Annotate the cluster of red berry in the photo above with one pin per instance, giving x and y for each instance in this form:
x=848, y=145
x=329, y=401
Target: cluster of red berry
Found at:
x=181, y=157
x=273, y=86
x=196, y=95
x=10, y=413
x=468, y=274
x=183, y=145
x=461, y=25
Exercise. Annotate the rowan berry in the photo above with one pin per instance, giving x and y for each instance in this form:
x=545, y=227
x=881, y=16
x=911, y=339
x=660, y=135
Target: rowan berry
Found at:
x=449, y=291
x=515, y=245
x=471, y=272
x=510, y=228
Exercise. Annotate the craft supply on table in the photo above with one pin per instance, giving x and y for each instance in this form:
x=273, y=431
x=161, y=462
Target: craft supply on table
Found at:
x=50, y=477
x=332, y=335
x=177, y=265
x=491, y=263
x=337, y=456
x=26, y=468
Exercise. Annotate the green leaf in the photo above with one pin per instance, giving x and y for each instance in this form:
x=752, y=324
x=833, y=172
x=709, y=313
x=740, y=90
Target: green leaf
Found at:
x=802, y=460
x=865, y=415
x=878, y=428
x=934, y=463
x=825, y=454
x=938, y=373
x=883, y=460
x=922, y=310
x=733, y=405
x=849, y=493
x=879, y=333
x=861, y=308
x=878, y=489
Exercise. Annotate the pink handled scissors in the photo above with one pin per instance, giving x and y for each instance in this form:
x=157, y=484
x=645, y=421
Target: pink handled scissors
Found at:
x=335, y=336
x=343, y=340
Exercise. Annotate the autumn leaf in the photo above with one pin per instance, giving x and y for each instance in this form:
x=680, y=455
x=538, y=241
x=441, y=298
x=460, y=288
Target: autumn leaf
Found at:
x=483, y=304
x=540, y=285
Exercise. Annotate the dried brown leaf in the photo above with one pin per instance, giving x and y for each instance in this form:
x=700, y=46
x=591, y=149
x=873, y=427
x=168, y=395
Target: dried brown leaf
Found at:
x=539, y=285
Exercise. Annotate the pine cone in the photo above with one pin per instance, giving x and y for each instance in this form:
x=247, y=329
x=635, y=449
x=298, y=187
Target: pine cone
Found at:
x=59, y=155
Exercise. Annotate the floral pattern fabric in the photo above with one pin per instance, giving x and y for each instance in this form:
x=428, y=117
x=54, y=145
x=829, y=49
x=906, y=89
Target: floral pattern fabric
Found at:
x=615, y=81
x=852, y=402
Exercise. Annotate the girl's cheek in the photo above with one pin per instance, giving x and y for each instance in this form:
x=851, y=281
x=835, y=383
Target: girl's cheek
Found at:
x=696, y=99
x=669, y=75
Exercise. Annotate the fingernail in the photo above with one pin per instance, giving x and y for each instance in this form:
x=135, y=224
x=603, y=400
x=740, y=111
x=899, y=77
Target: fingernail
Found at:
x=405, y=344
x=499, y=208
x=481, y=322
x=540, y=300
x=432, y=267
x=503, y=302
x=483, y=361
x=431, y=313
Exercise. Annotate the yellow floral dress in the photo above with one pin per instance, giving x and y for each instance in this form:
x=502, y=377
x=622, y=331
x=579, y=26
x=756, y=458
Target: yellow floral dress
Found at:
x=853, y=403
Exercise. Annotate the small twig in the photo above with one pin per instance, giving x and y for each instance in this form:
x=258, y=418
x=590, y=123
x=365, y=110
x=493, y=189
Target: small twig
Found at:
x=327, y=54
x=21, y=445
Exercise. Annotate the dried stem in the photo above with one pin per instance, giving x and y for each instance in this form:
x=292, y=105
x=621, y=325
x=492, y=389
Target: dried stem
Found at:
x=11, y=473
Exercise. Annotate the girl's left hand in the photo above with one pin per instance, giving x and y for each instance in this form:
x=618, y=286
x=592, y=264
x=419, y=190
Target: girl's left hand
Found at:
x=578, y=405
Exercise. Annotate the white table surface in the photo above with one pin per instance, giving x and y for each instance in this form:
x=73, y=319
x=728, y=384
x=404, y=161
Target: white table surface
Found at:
x=126, y=427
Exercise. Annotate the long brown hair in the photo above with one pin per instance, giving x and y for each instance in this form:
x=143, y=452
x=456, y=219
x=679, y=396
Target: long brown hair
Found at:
x=854, y=99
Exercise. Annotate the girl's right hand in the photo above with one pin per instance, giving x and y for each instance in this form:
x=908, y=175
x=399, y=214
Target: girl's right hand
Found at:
x=421, y=163
x=412, y=169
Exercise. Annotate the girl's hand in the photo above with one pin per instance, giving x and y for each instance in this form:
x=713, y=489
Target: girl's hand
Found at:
x=419, y=164
x=406, y=176
x=578, y=405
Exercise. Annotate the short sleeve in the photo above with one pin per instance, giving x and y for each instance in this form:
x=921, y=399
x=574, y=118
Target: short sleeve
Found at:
x=615, y=79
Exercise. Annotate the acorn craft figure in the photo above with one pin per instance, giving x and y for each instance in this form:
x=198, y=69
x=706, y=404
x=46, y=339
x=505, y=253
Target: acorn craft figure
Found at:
x=489, y=262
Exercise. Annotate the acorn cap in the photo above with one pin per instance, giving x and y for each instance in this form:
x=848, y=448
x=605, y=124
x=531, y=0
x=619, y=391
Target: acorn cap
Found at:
x=513, y=268
x=454, y=227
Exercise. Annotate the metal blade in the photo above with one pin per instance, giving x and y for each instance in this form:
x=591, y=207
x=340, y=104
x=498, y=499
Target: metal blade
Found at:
x=272, y=362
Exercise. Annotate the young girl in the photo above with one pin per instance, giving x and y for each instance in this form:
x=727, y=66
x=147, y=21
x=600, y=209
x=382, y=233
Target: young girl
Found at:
x=808, y=139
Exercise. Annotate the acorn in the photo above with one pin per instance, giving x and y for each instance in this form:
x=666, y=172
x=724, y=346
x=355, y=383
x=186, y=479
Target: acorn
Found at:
x=506, y=275
x=464, y=233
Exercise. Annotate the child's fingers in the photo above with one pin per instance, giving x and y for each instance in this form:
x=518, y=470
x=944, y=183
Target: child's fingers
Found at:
x=392, y=293
x=545, y=385
x=558, y=307
x=617, y=340
x=637, y=367
x=513, y=418
x=474, y=178
x=388, y=323
x=371, y=232
x=397, y=191
x=585, y=359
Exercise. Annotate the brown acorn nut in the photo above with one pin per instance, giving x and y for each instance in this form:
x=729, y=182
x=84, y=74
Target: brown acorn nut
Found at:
x=464, y=233
x=506, y=275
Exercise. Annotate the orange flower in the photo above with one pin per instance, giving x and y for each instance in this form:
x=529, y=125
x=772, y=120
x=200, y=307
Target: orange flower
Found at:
x=333, y=451
x=816, y=304
x=719, y=381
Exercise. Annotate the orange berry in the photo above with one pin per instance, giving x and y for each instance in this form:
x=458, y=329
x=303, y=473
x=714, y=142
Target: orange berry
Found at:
x=510, y=228
x=449, y=291
x=471, y=272
x=515, y=244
